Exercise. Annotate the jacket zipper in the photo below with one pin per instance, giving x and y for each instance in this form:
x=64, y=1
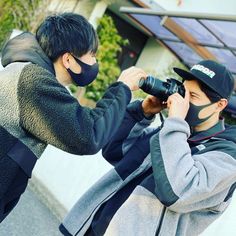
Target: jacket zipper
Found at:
x=161, y=220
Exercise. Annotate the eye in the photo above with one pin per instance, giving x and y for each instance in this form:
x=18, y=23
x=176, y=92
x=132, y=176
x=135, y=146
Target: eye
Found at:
x=194, y=95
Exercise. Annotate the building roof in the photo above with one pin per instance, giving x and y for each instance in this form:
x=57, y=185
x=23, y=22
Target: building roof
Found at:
x=190, y=36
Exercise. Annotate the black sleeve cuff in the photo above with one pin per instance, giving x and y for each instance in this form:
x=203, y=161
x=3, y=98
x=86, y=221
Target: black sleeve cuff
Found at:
x=136, y=111
x=126, y=88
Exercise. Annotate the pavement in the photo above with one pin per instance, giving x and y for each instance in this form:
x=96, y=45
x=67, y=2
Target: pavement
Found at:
x=30, y=218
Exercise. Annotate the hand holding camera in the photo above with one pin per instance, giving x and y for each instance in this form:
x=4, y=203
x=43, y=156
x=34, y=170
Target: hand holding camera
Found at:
x=165, y=94
x=152, y=105
x=177, y=105
x=131, y=77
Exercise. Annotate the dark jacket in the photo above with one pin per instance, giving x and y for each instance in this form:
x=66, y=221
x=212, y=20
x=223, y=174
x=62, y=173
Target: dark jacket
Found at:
x=177, y=185
x=36, y=110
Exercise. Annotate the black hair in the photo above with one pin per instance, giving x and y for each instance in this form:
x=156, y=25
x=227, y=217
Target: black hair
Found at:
x=67, y=32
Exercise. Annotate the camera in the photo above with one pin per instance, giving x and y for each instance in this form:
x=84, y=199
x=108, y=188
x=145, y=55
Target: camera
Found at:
x=161, y=89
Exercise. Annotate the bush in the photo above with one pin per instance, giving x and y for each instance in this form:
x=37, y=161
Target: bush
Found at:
x=20, y=14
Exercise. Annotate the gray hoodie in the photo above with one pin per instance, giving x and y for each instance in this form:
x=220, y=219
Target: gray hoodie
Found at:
x=176, y=185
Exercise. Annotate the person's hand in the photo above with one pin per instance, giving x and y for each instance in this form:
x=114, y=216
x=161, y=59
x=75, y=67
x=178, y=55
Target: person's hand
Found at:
x=152, y=105
x=131, y=77
x=177, y=105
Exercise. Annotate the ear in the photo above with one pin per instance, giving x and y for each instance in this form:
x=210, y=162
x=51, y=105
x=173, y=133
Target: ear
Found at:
x=65, y=58
x=221, y=104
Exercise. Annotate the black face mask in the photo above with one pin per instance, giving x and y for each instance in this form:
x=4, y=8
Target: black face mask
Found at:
x=193, y=113
x=88, y=73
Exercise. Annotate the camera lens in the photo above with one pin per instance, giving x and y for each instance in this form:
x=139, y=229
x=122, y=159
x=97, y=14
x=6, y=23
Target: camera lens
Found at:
x=141, y=83
x=154, y=87
x=160, y=89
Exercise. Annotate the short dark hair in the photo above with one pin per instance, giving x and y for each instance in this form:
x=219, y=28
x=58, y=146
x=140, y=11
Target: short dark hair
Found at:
x=211, y=94
x=67, y=32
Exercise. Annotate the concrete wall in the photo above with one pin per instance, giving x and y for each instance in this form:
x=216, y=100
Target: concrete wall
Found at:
x=87, y=8
x=63, y=177
x=155, y=59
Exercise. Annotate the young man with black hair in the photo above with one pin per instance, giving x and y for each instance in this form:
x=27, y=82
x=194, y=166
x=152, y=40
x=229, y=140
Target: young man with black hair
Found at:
x=172, y=180
x=36, y=107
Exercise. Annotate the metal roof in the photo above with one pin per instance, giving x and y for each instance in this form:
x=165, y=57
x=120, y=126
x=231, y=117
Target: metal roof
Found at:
x=191, y=36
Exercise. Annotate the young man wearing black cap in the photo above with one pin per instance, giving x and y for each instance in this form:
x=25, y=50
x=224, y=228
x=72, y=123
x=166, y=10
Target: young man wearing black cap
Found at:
x=36, y=107
x=172, y=180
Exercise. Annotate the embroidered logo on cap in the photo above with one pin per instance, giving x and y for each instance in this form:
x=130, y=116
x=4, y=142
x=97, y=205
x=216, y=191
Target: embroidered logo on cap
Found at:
x=204, y=70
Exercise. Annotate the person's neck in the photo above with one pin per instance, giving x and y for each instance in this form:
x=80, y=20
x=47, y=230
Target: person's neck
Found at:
x=213, y=120
x=61, y=74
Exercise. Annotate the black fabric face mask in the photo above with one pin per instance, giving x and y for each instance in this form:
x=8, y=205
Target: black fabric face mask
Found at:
x=192, y=116
x=88, y=73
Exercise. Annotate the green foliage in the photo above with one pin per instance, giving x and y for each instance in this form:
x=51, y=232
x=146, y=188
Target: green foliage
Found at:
x=6, y=20
x=110, y=46
x=19, y=14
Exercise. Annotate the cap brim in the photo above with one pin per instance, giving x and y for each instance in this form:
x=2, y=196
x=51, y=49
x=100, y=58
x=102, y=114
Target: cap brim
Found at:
x=185, y=74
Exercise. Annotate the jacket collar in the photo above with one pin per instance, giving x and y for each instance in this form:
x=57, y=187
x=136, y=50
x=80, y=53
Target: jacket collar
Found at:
x=206, y=134
x=25, y=48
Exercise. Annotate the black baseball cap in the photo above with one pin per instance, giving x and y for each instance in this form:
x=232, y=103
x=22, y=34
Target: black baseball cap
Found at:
x=211, y=73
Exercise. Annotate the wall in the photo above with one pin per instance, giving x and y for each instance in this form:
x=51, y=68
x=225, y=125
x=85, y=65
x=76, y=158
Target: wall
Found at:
x=154, y=58
x=63, y=177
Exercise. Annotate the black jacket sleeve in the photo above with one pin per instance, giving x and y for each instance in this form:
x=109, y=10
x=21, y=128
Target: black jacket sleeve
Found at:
x=113, y=150
x=51, y=114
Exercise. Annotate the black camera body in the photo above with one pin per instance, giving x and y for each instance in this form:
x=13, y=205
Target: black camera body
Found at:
x=161, y=89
